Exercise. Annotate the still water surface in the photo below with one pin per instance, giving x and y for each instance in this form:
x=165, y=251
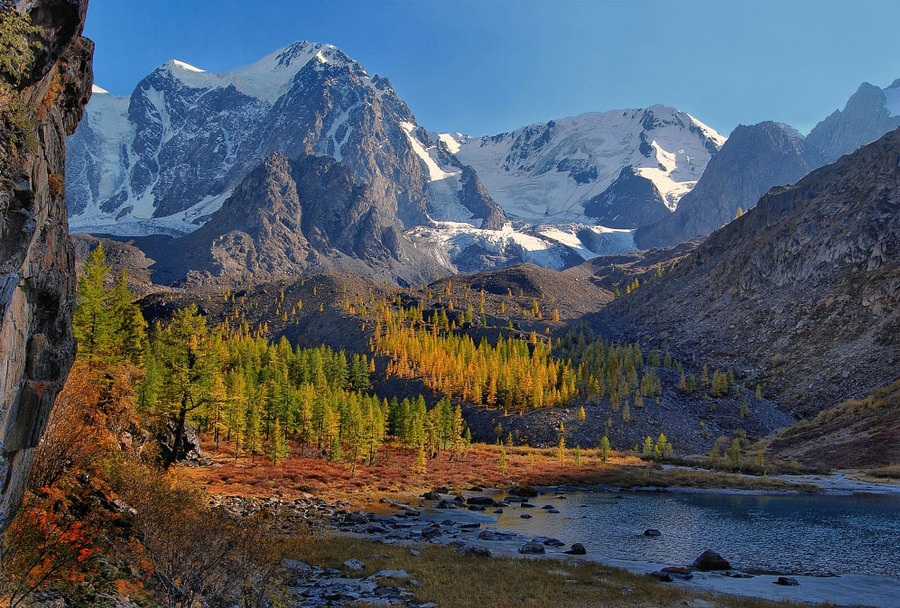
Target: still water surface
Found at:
x=814, y=535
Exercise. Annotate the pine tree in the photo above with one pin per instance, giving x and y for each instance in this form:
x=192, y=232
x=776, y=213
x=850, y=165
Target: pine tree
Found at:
x=581, y=414
x=421, y=465
x=661, y=449
x=92, y=322
x=278, y=445
x=502, y=461
x=576, y=457
x=648, y=447
x=253, y=430
x=184, y=354
x=734, y=455
x=604, y=449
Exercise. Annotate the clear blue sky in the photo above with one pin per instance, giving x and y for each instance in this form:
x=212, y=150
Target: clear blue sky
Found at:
x=486, y=66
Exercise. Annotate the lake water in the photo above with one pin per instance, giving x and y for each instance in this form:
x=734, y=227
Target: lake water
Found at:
x=802, y=535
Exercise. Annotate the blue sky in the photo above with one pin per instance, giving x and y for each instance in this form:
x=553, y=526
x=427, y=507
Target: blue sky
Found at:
x=487, y=66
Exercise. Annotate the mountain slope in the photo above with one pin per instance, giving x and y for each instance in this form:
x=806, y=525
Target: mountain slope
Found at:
x=165, y=157
x=547, y=172
x=801, y=294
x=290, y=217
x=753, y=159
x=870, y=113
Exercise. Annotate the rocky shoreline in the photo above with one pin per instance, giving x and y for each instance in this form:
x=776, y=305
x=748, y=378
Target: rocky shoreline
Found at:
x=465, y=521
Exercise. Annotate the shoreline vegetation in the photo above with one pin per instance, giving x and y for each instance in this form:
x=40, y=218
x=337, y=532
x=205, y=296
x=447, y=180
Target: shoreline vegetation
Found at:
x=480, y=466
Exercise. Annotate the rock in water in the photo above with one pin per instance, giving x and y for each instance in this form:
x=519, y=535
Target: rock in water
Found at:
x=786, y=581
x=37, y=271
x=710, y=560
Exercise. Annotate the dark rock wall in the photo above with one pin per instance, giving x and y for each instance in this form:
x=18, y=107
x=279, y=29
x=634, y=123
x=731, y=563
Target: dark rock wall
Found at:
x=37, y=276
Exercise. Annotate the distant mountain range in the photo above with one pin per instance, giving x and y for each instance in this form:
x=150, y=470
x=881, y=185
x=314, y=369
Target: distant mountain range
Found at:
x=167, y=159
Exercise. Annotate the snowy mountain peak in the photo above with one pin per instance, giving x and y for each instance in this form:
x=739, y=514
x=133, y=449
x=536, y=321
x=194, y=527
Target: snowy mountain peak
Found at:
x=181, y=65
x=548, y=171
x=95, y=90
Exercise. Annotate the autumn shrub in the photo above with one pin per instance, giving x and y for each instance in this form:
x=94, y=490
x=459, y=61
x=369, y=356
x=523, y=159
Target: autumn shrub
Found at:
x=52, y=544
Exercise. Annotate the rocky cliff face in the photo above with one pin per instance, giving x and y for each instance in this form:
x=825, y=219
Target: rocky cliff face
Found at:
x=292, y=217
x=753, y=159
x=36, y=263
x=801, y=294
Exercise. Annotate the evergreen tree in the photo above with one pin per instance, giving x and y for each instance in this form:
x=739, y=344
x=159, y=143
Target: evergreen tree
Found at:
x=604, y=449
x=278, y=444
x=92, y=321
x=648, y=447
x=183, y=353
x=253, y=430
x=734, y=455
x=661, y=449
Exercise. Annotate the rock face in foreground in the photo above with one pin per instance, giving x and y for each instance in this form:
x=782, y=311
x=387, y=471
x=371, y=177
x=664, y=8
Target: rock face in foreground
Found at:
x=36, y=263
x=801, y=294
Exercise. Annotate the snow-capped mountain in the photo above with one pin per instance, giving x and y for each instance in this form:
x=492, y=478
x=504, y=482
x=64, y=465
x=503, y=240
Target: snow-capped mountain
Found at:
x=549, y=172
x=164, y=158
x=168, y=157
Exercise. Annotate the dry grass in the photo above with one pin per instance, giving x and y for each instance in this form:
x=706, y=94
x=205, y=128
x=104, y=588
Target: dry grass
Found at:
x=478, y=467
x=456, y=581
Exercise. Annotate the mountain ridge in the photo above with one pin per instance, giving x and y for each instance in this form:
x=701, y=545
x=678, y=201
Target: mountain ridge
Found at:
x=801, y=294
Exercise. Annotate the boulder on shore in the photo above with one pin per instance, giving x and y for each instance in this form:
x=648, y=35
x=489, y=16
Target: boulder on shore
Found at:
x=710, y=560
x=532, y=548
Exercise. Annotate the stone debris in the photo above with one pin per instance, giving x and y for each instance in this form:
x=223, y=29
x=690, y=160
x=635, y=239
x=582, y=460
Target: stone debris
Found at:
x=319, y=588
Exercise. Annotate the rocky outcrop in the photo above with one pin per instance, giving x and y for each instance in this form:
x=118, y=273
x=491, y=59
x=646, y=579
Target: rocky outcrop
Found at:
x=800, y=295
x=865, y=118
x=476, y=199
x=37, y=277
x=292, y=217
x=630, y=201
x=753, y=159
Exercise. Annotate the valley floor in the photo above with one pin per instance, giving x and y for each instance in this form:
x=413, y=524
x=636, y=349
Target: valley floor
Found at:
x=479, y=466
